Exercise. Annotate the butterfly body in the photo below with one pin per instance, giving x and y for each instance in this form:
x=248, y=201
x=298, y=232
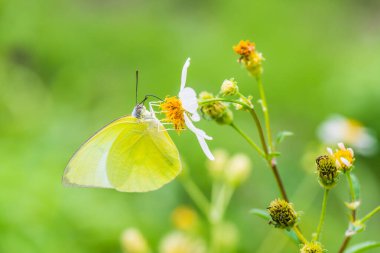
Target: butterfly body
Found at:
x=131, y=154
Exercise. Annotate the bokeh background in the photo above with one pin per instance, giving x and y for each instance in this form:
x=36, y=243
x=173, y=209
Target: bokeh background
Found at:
x=67, y=68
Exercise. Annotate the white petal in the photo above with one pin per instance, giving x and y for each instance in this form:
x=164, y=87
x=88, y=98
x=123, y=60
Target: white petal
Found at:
x=188, y=99
x=195, y=117
x=330, y=151
x=184, y=73
x=341, y=146
x=201, y=136
x=351, y=151
x=345, y=161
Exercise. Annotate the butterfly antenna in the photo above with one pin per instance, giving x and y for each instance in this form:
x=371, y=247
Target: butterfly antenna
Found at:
x=137, y=83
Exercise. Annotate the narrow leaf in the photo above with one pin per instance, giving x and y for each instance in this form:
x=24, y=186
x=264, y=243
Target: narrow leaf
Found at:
x=265, y=215
x=292, y=235
x=356, y=184
x=282, y=135
x=361, y=247
x=261, y=213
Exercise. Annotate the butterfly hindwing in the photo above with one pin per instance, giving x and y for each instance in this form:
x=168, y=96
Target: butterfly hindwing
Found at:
x=151, y=157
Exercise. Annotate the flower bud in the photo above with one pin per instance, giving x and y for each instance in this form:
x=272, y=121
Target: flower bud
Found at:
x=312, y=247
x=226, y=118
x=205, y=95
x=327, y=171
x=238, y=169
x=282, y=214
x=246, y=100
x=226, y=236
x=132, y=241
x=181, y=242
x=217, y=111
x=185, y=218
x=216, y=167
x=229, y=87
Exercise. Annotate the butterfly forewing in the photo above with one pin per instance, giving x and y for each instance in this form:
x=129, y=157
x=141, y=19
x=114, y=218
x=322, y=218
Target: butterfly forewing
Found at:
x=128, y=154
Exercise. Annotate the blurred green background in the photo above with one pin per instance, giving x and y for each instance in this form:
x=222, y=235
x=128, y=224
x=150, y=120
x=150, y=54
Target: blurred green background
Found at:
x=67, y=69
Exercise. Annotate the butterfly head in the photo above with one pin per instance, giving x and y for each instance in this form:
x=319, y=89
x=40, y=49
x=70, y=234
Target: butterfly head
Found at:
x=138, y=111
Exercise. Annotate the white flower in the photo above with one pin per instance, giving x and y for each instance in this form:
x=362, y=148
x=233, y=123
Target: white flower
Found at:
x=341, y=129
x=188, y=98
x=182, y=111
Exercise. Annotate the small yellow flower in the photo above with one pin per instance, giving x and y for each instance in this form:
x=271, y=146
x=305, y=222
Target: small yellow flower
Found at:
x=244, y=48
x=132, y=241
x=251, y=59
x=181, y=111
x=174, y=112
x=185, y=218
x=312, y=247
x=344, y=157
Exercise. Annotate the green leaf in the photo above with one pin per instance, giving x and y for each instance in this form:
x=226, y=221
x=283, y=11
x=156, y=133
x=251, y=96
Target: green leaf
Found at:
x=282, y=135
x=361, y=247
x=265, y=215
x=274, y=154
x=261, y=213
x=292, y=235
x=356, y=184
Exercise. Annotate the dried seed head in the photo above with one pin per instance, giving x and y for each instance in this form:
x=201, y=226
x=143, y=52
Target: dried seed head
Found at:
x=282, y=214
x=327, y=170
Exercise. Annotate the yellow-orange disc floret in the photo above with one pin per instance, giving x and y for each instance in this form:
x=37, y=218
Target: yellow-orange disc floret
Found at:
x=244, y=48
x=174, y=112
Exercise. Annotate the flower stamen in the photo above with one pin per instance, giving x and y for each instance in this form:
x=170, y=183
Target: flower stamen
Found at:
x=174, y=112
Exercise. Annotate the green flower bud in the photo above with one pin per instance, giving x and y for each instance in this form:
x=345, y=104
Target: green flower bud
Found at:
x=238, y=169
x=217, y=111
x=132, y=241
x=282, y=214
x=226, y=118
x=204, y=95
x=217, y=166
x=229, y=87
x=312, y=247
x=327, y=171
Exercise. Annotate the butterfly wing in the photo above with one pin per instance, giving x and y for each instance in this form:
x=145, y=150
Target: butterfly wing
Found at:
x=143, y=160
x=128, y=154
x=87, y=167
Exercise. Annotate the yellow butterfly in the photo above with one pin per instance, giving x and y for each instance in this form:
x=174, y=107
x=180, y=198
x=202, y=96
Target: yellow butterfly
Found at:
x=131, y=154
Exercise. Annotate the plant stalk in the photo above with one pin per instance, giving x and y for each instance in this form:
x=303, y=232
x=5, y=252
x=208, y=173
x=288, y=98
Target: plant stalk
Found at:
x=323, y=214
x=266, y=112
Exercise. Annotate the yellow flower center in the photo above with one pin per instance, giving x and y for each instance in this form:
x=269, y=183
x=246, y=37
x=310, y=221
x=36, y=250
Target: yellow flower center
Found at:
x=244, y=48
x=345, y=154
x=174, y=112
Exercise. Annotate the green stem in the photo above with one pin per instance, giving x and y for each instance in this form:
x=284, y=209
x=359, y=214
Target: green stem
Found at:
x=196, y=194
x=299, y=235
x=266, y=112
x=249, y=140
x=323, y=214
x=271, y=161
x=212, y=100
x=260, y=130
x=353, y=214
x=352, y=193
x=369, y=215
